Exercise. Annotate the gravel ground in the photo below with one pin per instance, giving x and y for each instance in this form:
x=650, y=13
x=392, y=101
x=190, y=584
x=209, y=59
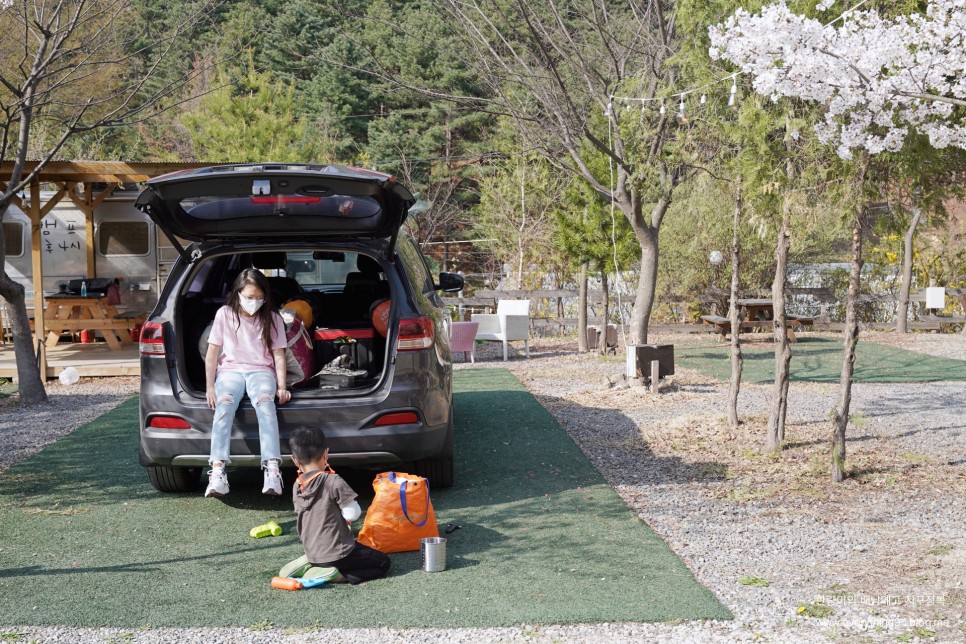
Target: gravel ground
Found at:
x=880, y=558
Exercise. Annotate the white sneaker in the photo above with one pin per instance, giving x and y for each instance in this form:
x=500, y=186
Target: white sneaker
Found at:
x=217, y=482
x=273, y=479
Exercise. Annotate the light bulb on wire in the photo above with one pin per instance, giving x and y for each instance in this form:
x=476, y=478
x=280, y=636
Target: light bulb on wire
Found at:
x=681, y=108
x=734, y=90
x=662, y=110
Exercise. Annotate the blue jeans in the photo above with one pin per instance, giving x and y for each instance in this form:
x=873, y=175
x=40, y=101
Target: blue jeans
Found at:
x=230, y=386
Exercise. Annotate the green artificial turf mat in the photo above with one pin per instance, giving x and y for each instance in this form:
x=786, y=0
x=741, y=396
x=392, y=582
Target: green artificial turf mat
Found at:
x=820, y=360
x=86, y=541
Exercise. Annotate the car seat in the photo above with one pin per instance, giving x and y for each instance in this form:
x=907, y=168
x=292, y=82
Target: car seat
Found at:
x=362, y=288
x=282, y=289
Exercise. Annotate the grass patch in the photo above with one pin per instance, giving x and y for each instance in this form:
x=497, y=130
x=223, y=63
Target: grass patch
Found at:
x=754, y=581
x=545, y=540
x=817, y=359
x=815, y=608
x=939, y=551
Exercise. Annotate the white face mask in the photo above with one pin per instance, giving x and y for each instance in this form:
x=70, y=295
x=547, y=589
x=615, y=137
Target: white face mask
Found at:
x=249, y=304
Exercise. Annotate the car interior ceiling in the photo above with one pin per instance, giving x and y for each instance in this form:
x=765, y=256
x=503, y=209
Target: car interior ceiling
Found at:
x=348, y=310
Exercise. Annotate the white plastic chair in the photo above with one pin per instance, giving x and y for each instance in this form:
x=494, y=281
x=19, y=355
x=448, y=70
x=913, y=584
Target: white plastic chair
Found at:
x=510, y=323
x=462, y=337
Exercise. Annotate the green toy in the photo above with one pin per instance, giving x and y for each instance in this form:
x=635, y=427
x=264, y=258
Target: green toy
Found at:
x=270, y=529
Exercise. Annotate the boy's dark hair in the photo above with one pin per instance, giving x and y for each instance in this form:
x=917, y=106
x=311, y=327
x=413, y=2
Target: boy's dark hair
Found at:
x=307, y=444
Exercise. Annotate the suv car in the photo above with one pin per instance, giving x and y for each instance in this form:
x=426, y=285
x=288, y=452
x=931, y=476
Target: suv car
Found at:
x=328, y=236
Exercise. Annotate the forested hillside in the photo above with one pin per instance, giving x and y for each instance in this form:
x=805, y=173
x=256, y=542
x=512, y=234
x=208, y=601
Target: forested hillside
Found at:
x=299, y=64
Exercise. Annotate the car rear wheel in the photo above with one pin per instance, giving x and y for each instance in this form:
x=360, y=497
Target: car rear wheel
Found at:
x=166, y=478
x=439, y=469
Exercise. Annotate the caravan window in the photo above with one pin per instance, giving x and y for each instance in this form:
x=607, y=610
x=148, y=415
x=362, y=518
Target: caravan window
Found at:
x=13, y=238
x=123, y=238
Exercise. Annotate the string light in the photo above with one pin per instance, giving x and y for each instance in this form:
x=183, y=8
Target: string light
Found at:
x=681, y=113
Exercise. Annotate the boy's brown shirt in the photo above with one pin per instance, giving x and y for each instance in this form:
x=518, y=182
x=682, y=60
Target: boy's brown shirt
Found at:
x=318, y=498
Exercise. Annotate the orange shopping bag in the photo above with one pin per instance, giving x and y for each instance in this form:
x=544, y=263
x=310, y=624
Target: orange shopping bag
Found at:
x=400, y=515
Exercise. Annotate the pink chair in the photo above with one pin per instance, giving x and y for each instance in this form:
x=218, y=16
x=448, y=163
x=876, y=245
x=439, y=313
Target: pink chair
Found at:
x=462, y=337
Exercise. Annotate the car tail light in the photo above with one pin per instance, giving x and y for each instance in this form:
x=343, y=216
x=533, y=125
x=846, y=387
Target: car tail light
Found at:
x=285, y=199
x=397, y=418
x=415, y=333
x=152, y=339
x=168, y=422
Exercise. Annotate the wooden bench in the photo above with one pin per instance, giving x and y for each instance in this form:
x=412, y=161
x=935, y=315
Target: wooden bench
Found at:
x=121, y=324
x=133, y=318
x=800, y=320
x=723, y=324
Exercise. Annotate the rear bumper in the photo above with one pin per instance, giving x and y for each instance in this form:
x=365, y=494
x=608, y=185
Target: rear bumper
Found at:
x=368, y=446
x=349, y=459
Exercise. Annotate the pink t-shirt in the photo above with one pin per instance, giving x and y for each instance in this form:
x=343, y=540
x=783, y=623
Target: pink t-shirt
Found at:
x=240, y=339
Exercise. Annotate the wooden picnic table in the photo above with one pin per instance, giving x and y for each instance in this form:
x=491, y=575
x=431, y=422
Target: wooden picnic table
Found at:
x=751, y=309
x=755, y=313
x=72, y=313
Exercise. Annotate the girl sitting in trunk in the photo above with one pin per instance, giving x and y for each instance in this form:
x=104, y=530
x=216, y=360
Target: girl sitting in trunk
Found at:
x=246, y=354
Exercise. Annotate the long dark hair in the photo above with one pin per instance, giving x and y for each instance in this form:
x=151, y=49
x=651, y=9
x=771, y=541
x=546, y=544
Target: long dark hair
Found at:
x=255, y=278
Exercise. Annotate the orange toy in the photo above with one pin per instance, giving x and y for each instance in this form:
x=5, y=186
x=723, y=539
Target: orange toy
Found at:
x=380, y=317
x=286, y=583
x=302, y=309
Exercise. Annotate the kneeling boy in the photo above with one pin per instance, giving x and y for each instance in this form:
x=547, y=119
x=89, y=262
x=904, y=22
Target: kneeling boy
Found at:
x=326, y=507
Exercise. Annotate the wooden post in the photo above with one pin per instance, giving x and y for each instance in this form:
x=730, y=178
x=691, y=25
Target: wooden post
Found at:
x=655, y=376
x=36, y=259
x=89, y=228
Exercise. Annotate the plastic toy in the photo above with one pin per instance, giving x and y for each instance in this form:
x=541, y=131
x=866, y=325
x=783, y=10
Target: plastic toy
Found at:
x=270, y=529
x=295, y=583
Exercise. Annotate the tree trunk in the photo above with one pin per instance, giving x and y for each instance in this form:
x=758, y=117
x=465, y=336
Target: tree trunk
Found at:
x=29, y=384
x=605, y=313
x=841, y=420
x=736, y=360
x=646, y=286
x=783, y=351
x=521, y=251
x=902, y=314
x=582, y=310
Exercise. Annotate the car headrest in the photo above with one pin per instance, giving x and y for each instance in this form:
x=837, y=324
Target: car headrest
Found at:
x=361, y=279
x=368, y=265
x=266, y=261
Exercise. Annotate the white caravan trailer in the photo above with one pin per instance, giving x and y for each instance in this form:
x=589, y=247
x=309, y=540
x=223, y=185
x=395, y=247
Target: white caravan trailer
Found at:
x=125, y=246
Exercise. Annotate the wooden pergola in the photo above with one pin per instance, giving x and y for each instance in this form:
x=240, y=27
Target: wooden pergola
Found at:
x=65, y=177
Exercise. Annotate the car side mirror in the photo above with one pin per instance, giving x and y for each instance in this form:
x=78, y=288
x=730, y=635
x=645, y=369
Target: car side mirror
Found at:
x=450, y=282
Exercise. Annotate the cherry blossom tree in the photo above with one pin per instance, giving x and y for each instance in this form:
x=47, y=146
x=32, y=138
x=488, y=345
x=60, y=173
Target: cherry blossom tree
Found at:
x=881, y=79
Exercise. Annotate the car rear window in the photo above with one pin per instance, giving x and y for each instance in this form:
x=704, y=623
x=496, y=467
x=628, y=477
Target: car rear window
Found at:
x=221, y=208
